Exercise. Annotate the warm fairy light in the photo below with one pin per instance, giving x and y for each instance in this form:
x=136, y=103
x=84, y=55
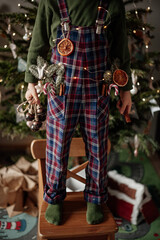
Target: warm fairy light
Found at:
x=143, y=99
x=152, y=78
x=32, y=0
x=77, y=28
x=148, y=8
x=14, y=34
x=22, y=86
x=105, y=26
x=138, y=84
x=85, y=68
x=5, y=46
x=25, y=15
x=1, y=80
x=143, y=28
x=30, y=33
x=136, y=12
x=19, y=4
x=99, y=8
x=134, y=31
x=147, y=46
x=74, y=77
x=108, y=73
x=158, y=91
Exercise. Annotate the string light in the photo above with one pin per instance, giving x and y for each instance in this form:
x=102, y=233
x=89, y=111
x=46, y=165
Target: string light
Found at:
x=19, y=5
x=148, y=9
x=149, y=4
x=143, y=99
x=1, y=80
x=99, y=8
x=14, y=34
x=5, y=46
x=158, y=91
x=143, y=28
x=136, y=12
x=134, y=31
x=147, y=46
x=138, y=84
x=135, y=7
x=152, y=78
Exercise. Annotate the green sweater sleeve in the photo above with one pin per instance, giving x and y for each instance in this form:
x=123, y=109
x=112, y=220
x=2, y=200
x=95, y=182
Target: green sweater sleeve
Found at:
x=39, y=45
x=119, y=40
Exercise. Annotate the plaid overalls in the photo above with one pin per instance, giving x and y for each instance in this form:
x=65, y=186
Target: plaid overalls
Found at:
x=82, y=103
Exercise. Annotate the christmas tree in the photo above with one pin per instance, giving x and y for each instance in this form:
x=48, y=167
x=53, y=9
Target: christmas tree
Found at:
x=146, y=88
x=16, y=33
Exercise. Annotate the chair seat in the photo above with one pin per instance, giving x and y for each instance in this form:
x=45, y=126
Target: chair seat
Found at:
x=74, y=225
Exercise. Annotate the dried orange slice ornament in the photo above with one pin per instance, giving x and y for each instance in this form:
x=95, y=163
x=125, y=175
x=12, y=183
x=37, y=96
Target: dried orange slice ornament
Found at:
x=65, y=47
x=120, y=77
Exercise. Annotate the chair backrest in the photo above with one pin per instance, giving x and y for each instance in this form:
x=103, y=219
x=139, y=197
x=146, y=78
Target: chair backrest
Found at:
x=38, y=151
x=38, y=148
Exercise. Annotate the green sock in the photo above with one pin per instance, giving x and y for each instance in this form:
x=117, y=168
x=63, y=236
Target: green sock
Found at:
x=94, y=213
x=54, y=213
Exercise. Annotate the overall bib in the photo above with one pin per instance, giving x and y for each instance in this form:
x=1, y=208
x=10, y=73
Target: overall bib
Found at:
x=82, y=103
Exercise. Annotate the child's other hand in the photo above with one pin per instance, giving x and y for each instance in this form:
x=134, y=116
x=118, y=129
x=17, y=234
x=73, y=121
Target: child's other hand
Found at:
x=125, y=102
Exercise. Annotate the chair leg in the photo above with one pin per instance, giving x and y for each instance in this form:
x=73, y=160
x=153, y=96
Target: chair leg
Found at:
x=40, y=238
x=111, y=237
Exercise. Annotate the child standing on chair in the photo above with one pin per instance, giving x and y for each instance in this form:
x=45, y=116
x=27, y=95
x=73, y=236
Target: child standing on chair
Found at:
x=80, y=39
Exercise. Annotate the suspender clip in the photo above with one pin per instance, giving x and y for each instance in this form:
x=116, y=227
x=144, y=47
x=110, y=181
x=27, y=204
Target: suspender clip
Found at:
x=99, y=26
x=66, y=26
x=99, y=29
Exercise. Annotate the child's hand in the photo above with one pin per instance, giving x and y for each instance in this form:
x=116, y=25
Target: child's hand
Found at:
x=125, y=102
x=31, y=94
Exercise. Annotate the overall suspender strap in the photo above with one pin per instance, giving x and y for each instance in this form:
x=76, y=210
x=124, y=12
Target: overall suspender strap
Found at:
x=65, y=47
x=101, y=16
x=64, y=14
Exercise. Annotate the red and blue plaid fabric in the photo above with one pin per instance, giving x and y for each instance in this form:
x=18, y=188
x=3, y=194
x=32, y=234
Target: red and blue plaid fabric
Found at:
x=83, y=104
x=63, y=11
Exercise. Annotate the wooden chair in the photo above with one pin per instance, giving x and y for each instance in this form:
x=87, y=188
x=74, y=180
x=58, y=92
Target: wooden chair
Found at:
x=74, y=224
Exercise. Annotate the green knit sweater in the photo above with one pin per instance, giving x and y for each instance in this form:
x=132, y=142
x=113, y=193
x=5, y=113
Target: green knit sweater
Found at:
x=82, y=13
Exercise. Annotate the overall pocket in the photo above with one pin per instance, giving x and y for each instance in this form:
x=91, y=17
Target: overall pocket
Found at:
x=103, y=108
x=56, y=106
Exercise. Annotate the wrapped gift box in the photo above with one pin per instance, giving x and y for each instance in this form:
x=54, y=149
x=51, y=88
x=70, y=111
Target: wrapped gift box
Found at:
x=128, y=199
